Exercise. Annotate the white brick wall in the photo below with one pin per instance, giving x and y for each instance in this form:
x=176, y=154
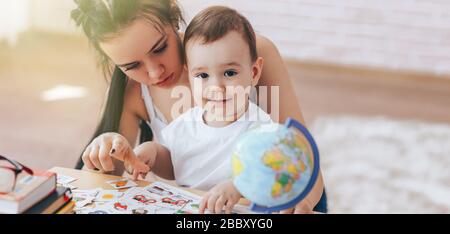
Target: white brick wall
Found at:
x=52, y=15
x=13, y=19
x=393, y=34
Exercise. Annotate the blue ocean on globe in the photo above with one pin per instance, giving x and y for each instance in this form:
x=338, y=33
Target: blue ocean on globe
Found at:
x=272, y=164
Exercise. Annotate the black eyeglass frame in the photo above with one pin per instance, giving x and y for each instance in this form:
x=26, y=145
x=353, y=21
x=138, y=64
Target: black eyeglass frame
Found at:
x=18, y=168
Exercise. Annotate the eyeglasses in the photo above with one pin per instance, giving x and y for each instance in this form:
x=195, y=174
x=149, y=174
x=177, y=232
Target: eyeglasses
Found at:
x=8, y=175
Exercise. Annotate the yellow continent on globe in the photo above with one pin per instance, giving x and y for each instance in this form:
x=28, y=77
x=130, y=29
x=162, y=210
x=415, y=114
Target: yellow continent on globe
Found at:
x=287, y=170
x=237, y=165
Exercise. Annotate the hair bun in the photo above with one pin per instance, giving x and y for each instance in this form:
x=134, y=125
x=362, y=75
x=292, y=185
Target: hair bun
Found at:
x=81, y=14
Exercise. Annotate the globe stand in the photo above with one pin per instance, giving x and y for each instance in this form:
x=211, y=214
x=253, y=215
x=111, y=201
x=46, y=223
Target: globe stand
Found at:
x=291, y=123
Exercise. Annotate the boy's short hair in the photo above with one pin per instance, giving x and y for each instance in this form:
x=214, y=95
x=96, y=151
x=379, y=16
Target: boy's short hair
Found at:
x=215, y=22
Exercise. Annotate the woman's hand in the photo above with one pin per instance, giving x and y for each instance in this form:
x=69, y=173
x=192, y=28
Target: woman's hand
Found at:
x=98, y=154
x=220, y=196
x=303, y=207
x=307, y=205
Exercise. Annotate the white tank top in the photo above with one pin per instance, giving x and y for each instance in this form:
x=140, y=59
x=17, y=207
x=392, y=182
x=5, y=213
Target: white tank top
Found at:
x=157, y=120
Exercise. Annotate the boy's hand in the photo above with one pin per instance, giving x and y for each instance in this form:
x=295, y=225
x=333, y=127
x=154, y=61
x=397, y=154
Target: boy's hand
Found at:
x=99, y=154
x=143, y=162
x=223, y=194
x=135, y=166
x=123, y=151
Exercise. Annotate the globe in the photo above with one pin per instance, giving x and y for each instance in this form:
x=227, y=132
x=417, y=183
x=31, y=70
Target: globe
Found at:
x=275, y=166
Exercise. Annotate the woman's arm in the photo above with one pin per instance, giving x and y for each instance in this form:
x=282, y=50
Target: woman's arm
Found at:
x=275, y=74
x=307, y=205
x=96, y=154
x=133, y=111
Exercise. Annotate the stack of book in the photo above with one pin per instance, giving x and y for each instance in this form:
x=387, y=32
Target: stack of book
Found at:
x=37, y=194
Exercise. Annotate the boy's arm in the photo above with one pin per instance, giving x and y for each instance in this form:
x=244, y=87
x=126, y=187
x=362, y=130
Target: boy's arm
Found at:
x=223, y=195
x=157, y=157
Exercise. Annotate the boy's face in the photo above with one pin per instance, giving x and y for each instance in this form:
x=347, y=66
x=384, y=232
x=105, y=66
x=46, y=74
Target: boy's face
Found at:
x=221, y=75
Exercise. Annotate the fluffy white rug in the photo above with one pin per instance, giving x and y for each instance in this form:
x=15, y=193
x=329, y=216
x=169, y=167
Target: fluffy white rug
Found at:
x=380, y=165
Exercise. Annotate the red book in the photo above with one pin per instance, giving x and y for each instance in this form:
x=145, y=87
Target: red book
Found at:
x=29, y=190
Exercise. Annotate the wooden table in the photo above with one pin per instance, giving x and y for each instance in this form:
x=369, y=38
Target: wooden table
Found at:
x=93, y=179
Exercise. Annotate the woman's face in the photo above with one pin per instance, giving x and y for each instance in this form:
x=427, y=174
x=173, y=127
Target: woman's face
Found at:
x=147, y=55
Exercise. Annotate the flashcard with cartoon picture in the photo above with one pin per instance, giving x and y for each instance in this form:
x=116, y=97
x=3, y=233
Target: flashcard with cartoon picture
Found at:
x=151, y=210
x=154, y=203
x=64, y=179
x=189, y=208
x=170, y=196
x=86, y=208
x=121, y=183
x=167, y=191
x=92, y=192
x=163, y=189
x=142, y=209
x=143, y=206
x=96, y=210
x=112, y=207
x=143, y=199
x=164, y=210
x=193, y=208
x=174, y=202
x=120, y=207
x=82, y=199
x=155, y=189
x=139, y=196
x=183, y=212
x=108, y=195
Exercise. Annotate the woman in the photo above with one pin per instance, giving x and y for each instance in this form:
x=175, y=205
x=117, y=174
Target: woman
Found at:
x=140, y=39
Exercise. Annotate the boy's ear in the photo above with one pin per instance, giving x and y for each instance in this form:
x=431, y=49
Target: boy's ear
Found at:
x=257, y=70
